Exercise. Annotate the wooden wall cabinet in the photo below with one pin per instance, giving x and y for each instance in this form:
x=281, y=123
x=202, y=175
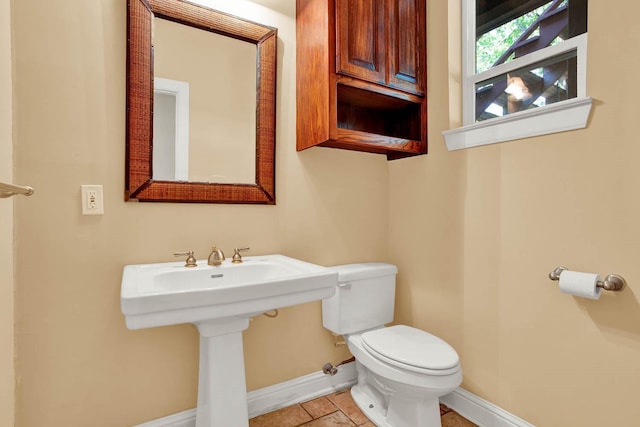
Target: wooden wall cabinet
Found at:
x=361, y=75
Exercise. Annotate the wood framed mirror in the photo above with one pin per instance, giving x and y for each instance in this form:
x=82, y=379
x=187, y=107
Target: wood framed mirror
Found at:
x=140, y=184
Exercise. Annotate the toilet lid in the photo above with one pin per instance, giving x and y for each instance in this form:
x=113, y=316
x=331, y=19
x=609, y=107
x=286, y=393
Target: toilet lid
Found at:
x=410, y=346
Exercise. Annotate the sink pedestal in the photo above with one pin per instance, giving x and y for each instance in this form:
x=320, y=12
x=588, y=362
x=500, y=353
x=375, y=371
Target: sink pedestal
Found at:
x=222, y=389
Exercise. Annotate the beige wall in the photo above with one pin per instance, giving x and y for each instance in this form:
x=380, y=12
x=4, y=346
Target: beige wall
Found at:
x=7, y=379
x=475, y=234
x=78, y=364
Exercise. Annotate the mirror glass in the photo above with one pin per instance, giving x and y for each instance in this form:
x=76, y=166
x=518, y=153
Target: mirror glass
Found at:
x=217, y=142
x=200, y=105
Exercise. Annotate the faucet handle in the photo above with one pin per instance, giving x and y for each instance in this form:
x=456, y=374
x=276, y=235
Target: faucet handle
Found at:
x=190, y=261
x=237, y=258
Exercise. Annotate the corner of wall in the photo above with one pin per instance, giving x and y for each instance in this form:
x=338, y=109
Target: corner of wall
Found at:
x=7, y=373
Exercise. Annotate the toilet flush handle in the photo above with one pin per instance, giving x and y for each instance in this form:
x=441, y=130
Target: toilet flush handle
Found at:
x=344, y=285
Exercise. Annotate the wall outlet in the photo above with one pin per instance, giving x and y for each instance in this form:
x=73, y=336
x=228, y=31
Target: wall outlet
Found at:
x=92, y=202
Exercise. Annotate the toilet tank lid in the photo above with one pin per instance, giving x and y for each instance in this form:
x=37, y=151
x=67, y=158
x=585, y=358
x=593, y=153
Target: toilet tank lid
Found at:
x=364, y=271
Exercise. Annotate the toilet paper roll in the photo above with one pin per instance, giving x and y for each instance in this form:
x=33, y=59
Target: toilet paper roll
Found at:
x=580, y=284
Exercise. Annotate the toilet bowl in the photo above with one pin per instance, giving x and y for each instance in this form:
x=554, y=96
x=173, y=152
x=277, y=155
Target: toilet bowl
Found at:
x=401, y=371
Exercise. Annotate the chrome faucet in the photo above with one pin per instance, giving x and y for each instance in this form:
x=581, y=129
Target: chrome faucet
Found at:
x=216, y=256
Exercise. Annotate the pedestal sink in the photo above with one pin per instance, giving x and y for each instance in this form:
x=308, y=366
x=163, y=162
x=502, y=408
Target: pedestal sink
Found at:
x=220, y=301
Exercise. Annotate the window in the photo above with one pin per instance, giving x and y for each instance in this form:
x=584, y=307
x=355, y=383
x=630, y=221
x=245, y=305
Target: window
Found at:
x=524, y=70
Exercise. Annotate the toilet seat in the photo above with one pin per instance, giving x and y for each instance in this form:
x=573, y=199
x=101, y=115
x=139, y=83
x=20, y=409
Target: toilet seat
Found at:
x=412, y=349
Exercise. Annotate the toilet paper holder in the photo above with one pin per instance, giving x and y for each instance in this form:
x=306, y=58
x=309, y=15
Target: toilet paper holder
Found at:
x=612, y=282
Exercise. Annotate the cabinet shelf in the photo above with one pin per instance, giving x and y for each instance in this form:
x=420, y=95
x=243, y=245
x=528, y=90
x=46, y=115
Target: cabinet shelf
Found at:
x=370, y=112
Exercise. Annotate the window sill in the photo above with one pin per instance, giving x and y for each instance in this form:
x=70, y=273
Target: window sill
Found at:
x=559, y=117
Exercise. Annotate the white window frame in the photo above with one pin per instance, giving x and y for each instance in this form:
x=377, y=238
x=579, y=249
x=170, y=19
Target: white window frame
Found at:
x=557, y=117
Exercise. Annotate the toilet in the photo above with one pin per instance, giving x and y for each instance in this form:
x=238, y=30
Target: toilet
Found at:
x=402, y=371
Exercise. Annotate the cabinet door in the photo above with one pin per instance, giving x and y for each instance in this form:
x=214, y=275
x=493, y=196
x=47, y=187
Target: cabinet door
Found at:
x=360, y=34
x=406, y=60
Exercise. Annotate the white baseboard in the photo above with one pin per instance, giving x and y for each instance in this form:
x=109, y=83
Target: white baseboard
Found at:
x=277, y=396
x=181, y=419
x=308, y=387
x=300, y=389
x=481, y=412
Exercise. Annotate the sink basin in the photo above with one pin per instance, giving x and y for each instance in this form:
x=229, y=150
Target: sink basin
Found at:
x=169, y=293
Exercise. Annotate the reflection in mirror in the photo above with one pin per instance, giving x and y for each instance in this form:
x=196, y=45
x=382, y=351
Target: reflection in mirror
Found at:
x=200, y=105
x=221, y=104
x=170, y=130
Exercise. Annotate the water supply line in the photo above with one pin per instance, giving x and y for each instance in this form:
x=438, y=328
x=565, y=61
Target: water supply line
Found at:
x=329, y=369
x=337, y=341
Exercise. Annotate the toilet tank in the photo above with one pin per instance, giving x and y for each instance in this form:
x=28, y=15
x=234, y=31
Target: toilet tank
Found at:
x=364, y=298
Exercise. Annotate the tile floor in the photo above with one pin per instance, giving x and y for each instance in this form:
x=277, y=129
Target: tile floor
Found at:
x=336, y=409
